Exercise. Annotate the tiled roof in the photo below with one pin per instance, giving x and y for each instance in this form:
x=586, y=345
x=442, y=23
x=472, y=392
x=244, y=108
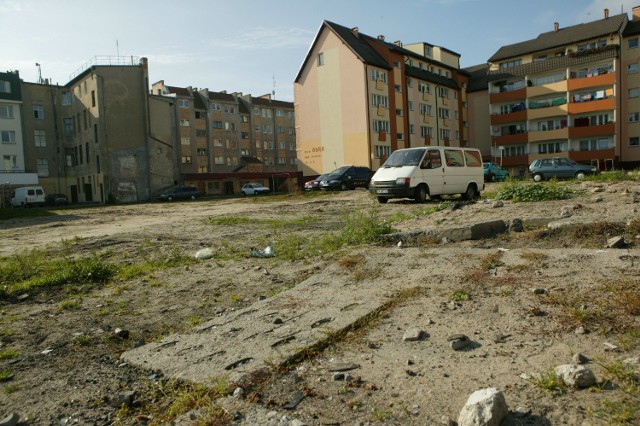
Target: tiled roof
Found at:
x=220, y=96
x=431, y=77
x=563, y=37
x=242, y=107
x=181, y=91
x=357, y=42
x=478, y=80
x=199, y=102
x=632, y=28
x=272, y=103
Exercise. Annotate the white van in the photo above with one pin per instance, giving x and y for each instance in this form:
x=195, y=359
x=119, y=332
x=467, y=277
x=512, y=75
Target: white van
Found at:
x=28, y=196
x=424, y=172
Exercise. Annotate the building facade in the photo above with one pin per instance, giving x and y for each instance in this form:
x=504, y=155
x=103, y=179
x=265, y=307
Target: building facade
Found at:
x=358, y=98
x=229, y=139
x=570, y=92
x=11, y=139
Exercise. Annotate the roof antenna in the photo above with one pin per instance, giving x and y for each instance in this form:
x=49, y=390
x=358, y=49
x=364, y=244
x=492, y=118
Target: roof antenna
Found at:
x=117, y=49
x=40, y=81
x=273, y=92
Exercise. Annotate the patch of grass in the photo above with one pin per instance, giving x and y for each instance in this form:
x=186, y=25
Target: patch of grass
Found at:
x=69, y=304
x=624, y=411
x=363, y=273
x=549, y=382
x=492, y=260
x=166, y=400
x=5, y=375
x=443, y=205
x=236, y=298
x=195, y=321
x=535, y=257
x=230, y=220
x=380, y=414
x=613, y=176
x=9, y=354
x=351, y=261
x=11, y=388
x=517, y=191
x=459, y=296
x=608, y=305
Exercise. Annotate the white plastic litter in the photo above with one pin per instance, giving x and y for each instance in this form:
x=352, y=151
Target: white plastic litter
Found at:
x=205, y=253
x=267, y=252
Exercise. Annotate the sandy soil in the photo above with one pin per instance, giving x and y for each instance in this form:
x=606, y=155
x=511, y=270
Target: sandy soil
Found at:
x=68, y=367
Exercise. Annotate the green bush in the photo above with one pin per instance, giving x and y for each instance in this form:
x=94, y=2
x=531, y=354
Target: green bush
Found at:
x=525, y=192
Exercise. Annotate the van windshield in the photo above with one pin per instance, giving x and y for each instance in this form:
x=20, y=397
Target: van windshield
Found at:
x=401, y=158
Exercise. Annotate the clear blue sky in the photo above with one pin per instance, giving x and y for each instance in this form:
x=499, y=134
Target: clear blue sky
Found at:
x=245, y=45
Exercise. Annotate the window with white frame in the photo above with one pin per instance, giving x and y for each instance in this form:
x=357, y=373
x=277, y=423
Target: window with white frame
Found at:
x=443, y=113
x=632, y=68
x=320, y=59
x=410, y=105
x=594, y=144
x=634, y=141
x=400, y=136
x=279, y=113
x=514, y=151
x=398, y=88
x=445, y=134
x=381, y=151
x=184, y=123
x=380, y=126
x=186, y=159
x=399, y=111
x=379, y=100
x=509, y=64
x=8, y=136
x=218, y=160
x=38, y=112
x=443, y=92
x=6, y=111
x=229, y=126
x=40, y=137
x=5, y=86
x=183, y=103
x=426, y=131
x=552, y=147
x=424, y=87
x=412, y=129
x=215, y=107
x=43, y=167
x=185, y=140
x=377, y=74
x=282, y=160
x=634, y=117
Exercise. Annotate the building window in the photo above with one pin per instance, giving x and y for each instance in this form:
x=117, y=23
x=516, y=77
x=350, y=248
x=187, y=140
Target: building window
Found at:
x=185, y=140
x=632, y=68
x=634, y=141
x=320, y=59
x=594, y=144
x=426, y=131
x=38, y=112
x=202, y=152
x=382, y=151
x=551, y=147
x=399, y=111
x=410, y=104
x=632, y=43
x=510, y=64
x=398, y=88
x=6, y=111
x=40, y=138
x=217, y=124
x=215, y=107
x=8, y=136
x=380, y=100
x=380, y=126
x=400, y=136
x=634, y=92
x=412, y=129
x=5, y=86
x=67, y=126
x=218, y=160
x=378, y=75
x=201, y=133
x=184, y=123
x=634, y=117
x=229, y=126
x=43, y=167
x=186, y=159
x=183, y=103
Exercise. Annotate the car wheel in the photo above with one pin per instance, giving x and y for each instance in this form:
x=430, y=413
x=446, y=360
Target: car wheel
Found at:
x=343, y=187
x=383, y=200
x=421, y=194
x=193, y=197
x=580, y=175
x=244, y=194
x=537, y=177
x=169, y=198
x=470, y=193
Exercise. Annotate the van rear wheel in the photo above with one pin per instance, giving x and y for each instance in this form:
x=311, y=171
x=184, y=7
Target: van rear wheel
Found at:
x=421, y=194
x=470, y=193
x=383, y=200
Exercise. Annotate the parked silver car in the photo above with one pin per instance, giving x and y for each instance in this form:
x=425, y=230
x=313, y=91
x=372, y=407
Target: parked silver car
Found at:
x=559, y=168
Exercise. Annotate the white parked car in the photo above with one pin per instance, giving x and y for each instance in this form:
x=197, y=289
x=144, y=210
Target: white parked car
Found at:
x=254, y=189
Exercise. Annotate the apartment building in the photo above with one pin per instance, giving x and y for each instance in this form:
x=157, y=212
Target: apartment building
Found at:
x=229, y=139
x=11, y=146
x=565, y=94
x=629, y=142
x=358, y=98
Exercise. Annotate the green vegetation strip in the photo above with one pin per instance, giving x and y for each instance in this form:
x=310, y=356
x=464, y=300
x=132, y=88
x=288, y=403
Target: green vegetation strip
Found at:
x=528, y=192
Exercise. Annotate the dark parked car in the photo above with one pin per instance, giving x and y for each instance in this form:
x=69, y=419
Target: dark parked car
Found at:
x=180, y=193
x=56, y=200
x=347, y=177
x=314, y=185
x=559, y=168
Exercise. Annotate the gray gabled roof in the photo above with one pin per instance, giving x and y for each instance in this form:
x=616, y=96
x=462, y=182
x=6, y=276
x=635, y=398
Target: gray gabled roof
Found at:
x=562, y=37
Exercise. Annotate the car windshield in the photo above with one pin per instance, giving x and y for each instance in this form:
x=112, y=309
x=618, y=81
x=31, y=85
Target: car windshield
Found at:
x=337, y=172
x=404, y=158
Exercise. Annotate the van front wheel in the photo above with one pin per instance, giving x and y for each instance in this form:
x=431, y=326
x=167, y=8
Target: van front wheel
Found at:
x=421, y=194
x=383, y=200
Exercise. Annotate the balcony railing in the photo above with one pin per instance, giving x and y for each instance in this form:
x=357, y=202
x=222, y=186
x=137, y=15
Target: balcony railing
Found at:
x=106, y=60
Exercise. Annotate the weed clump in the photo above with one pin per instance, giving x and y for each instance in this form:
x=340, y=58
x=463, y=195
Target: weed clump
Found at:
x=524, y=192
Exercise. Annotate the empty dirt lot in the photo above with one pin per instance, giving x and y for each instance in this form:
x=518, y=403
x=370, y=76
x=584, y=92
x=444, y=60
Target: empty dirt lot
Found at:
x=528, y=301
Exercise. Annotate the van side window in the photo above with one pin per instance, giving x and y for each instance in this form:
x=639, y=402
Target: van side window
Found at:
x=473, y=159
x=31, y=192
x=432, y=160
x=454, y=158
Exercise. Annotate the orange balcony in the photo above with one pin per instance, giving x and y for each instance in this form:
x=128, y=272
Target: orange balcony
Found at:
x=512, y=117
x=547, y=89
x=587, y=131
x=513, y=95
x=518, y=160
x=549, y=135
x=517, y=139
x=585, y=82
x=596, y=154
x=553, y=111
x=590, y=106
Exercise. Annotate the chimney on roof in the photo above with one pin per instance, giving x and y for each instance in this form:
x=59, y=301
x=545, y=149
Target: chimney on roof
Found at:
x=398, y=43
x=635, y=13
x=381, y=37
x=606, y=14
x=556, y=27
x=355, y=31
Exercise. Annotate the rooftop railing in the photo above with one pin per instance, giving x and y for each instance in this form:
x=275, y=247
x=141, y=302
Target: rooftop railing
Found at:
x=106, y=60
